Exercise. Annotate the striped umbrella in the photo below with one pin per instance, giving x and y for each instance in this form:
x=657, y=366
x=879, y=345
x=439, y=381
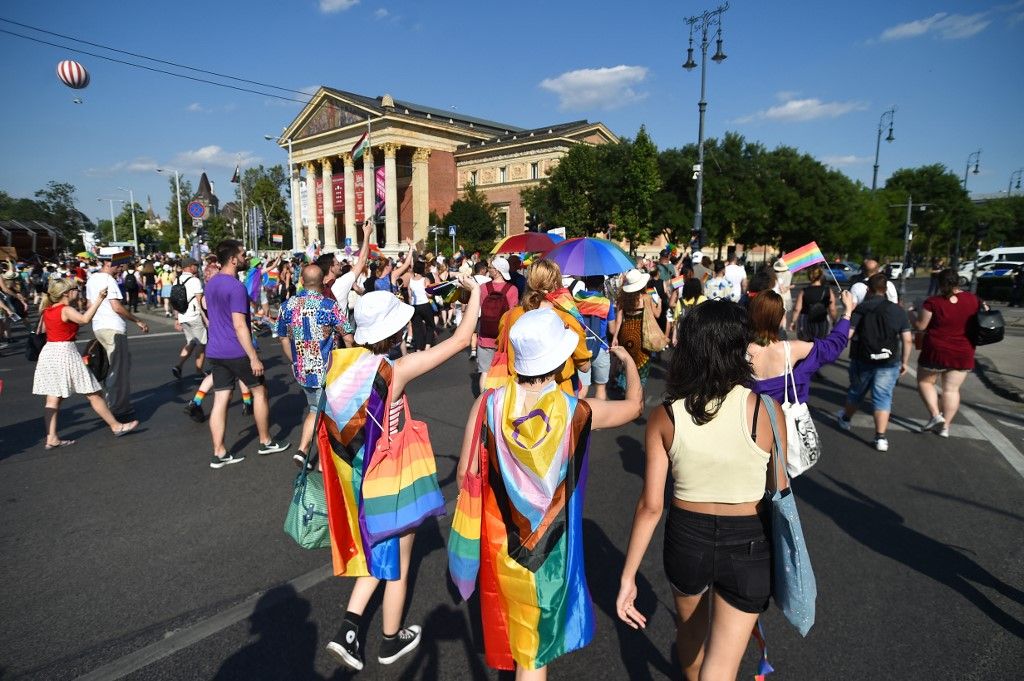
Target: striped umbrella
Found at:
x=527, y=242
x=587, y=256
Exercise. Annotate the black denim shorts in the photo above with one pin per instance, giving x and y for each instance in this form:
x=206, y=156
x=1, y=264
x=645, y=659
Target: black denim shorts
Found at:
x=730, y=553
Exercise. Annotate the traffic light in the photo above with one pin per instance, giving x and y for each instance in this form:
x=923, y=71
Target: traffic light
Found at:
x=532, y=224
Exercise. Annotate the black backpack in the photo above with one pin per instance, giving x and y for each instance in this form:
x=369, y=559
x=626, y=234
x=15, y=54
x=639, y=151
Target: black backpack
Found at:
x=131, y=282
x=878, y=341
x=179, y=296
x=817, y=311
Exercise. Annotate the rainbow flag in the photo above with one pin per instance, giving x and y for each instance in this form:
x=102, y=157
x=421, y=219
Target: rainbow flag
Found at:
x=374, y=251
x=253, y=280
x=271, y=278
x=562, y=299
x=592, y=303
x=312, y=251
x=677, y=282
x=803, y=257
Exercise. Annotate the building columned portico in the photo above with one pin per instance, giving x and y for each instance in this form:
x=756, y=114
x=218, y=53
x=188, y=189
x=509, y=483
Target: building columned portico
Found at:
x=416, y=160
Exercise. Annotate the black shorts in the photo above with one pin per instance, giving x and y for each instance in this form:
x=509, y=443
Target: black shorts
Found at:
x=227, y=371
x=730, y=553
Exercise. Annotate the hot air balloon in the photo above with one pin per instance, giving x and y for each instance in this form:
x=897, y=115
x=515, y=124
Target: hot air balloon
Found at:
x=73, y=74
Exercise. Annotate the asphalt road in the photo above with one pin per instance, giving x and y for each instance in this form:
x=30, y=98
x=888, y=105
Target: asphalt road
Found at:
x=131, y=558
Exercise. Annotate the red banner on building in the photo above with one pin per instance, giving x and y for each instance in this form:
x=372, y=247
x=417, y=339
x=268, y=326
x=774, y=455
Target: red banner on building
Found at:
x=379, y=177
x=360, y=182
x=318, y=187
x=338, y=184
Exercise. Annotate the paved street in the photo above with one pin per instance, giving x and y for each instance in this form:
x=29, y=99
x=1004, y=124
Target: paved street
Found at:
x=131, y=558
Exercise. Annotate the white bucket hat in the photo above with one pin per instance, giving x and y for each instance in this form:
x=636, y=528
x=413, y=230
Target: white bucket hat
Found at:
x=500, y=264
x=380, y=315
x=541, y=342
x=635, y=281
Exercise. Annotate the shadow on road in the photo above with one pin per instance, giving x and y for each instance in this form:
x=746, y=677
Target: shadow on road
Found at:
x=967, y=502
x=631, y=451
x=286, y=646
x=884, y=531
x=443, y=623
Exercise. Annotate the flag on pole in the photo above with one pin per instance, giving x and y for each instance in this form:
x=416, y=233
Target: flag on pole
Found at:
x=803, y=257
x=237, y=177
x=361, y=145
x=253, y=280
x=677, y=282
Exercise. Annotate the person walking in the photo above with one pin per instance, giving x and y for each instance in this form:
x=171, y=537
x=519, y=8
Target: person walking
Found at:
x=634, y=305
x=879, y=355
x=814, y=306
x=359, y=383
x=860, y=288
x=166, y=280
x=534, y=444
x=784, y=286
x=718, y=287
x=947, y=353
x=132, y=283
x=424, y=330
x=192, y=322
x=232, y=354
x=599, y=320
x=497, y=296
x=108, y=325
x=713, y=433
x=737, y=276
x=60, y=371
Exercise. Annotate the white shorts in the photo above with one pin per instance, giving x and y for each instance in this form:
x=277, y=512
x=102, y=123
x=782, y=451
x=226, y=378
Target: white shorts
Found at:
x=195, y=331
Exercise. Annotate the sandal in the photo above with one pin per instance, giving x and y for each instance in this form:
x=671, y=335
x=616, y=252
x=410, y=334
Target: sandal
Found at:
x=62, y=443
x=126, y=428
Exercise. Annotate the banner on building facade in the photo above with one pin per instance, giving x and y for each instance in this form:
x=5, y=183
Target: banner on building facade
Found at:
x=360, y=184
x=304, y=202
x=378, y=212
x=318, y=184
x=338, y=186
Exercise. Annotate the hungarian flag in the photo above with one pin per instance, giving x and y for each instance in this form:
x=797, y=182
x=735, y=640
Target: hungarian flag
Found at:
x=236, y=178
x=362, y=144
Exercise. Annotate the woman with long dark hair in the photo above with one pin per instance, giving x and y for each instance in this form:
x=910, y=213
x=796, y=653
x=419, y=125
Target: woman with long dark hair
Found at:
x=714, y=435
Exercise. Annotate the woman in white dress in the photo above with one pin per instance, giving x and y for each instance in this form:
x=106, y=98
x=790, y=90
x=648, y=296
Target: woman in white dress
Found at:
x=60, y=371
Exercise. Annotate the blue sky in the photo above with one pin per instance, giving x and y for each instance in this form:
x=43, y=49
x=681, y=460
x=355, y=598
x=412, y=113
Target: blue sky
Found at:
x=812, y=75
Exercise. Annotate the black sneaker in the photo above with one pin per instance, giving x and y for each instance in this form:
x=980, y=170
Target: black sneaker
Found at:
x=346, y=648
x=176, y=371
x=226, y=460
x=403, y=642
x=246, y=409
x=272, y=447
x=195, y=412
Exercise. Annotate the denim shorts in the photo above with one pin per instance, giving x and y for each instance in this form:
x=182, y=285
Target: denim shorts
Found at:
x=600, y=366
x=732, y=554
x=312, y=398
x=880, y=379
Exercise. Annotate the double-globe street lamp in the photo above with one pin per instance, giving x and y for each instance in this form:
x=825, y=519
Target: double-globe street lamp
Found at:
x=177, y=195
x=890, y=114
x=703, y=23
x=973, y=157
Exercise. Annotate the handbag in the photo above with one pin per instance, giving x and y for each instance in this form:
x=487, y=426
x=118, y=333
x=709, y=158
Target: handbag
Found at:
x=96, y=359
x=653, y=339
x=35, y=342
x=306, y=520
x=793, y=586
x=400, y=488
x=464, y=540
x=803, y=446
x=987, y=327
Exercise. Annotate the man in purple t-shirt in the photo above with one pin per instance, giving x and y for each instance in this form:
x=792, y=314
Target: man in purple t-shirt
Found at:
x=232, y=354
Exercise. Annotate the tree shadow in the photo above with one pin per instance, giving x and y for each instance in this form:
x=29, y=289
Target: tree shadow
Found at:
x=884, y=531
x=967, y=502
x=286, y=647
x=443, y=623
x=631, y=453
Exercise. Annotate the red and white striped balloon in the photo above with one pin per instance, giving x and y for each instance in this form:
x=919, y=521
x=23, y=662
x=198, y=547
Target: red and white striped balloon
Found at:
x=73, y=74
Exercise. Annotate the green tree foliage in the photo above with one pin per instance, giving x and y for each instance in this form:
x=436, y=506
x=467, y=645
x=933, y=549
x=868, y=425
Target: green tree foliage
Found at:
x=475, y=219
x=640, y=184
x=935, y=231
x=174, y=206
x=269, y=189
x=1004, y=219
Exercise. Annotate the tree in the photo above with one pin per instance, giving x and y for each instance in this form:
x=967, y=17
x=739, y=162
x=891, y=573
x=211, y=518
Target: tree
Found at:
x=475, y=219
x=641, y=182
x=174, y=206
x=268, y=189
x=950, y=207
x=59, y=201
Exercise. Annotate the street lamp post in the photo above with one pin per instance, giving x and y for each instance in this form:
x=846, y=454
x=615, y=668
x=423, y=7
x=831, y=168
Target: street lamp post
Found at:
x=177, y=196
x=113, y=225
x=908, y=236
x=135, y=231
x=890, y=114
x=703, y=22
x=974, y=156
x=1016, y=173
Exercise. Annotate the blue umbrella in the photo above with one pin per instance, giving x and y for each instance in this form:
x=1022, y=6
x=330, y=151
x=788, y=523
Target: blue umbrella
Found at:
x=587, y=256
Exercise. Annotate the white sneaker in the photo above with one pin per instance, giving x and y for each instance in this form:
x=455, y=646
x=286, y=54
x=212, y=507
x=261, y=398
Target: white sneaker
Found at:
x=934, y=422
x=842, y=421
x=944, y=432
x=881, y=444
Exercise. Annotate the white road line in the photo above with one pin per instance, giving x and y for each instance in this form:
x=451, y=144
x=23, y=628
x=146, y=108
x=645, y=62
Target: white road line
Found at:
x=998, y=440
x=1010, y=424
x=183, y=638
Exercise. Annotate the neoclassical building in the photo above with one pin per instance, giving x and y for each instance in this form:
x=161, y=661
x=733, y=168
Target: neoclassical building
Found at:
x=419, y=160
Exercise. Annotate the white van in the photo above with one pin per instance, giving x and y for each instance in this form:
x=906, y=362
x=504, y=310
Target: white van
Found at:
x=1012, y=253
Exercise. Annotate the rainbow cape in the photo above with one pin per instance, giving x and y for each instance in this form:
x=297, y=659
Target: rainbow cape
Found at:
x=253, y=280
x=534, y=601
x=561, y=298
x=592, y=303
x=356, y=390
x=803, y=257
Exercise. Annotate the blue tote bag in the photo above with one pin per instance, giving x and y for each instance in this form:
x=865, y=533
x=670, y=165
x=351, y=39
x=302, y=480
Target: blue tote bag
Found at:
x=793, y=585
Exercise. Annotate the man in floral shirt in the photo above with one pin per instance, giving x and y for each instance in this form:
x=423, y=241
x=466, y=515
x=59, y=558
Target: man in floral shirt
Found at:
x=308, y=326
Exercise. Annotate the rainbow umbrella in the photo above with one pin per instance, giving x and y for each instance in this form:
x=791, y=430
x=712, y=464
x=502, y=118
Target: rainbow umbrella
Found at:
x=527, y=242
x=587, y=256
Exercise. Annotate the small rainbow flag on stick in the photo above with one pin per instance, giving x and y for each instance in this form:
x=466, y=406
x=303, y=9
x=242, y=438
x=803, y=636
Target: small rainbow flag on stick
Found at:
x=677, y=282
x=803, y=257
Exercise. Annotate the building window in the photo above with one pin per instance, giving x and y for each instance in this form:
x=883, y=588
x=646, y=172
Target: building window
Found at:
x=503, y=222
x=502, y=175
x=534, y=171
x=472, y=177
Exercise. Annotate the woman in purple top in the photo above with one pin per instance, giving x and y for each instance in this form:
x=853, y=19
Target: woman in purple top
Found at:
x=768, y=354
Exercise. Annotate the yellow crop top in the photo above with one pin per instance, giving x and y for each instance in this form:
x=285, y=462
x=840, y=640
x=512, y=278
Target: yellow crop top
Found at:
x=718, y=462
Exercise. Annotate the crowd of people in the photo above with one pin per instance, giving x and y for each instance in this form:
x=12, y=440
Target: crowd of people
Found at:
x=557, y=357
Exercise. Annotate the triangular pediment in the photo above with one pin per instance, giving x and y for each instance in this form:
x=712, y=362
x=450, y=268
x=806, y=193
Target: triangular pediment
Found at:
x=325, y=112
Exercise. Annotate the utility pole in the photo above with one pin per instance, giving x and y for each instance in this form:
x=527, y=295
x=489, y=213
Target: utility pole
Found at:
x=908, y=236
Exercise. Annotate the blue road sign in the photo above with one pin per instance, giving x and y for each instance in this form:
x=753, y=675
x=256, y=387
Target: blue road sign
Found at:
x=197, y=210
x=451, y=230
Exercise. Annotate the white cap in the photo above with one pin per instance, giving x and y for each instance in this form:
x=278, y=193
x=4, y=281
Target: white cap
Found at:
x=697, y=257
x=501, y=265
x=635, y=281
x=380, y=315
x=542, y=342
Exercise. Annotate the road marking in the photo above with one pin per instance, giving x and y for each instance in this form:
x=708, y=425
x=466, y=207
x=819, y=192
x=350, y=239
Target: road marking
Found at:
x=998, y=440
x=1012, y=425
x=141, y=336
x=183, y=638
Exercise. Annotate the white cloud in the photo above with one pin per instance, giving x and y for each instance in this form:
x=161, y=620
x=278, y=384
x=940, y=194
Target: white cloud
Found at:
x=785, y=95
x=941, y=24
x=332, y=6
x=604, y=88
x=195, y=107
x=380, y=13
x=847, y=160
x=212, y=156
x=141, y=164
x=800, y=110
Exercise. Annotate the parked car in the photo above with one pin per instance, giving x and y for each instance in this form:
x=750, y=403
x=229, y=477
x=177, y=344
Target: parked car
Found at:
x=1001, y=268
x=845, y=272
x=896, y=270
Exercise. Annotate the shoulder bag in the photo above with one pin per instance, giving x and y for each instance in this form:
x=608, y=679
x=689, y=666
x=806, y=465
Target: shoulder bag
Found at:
x=464, y=540
x=653, y=339
x=306, y=521
x=35, y=342
x=793, y=586
x=803, y=447
x=96, y=359
x=987, y=327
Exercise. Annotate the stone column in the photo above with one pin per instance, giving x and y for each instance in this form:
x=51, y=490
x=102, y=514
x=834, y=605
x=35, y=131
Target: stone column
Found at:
x=330, y=234
x=311, y=233
x=351, y=230
x=298, y=242
x=369, y=189
x=420, y=194
x=391, y=196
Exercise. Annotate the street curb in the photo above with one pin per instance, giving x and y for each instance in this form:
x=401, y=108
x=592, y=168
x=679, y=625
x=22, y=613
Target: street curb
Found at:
x=990, y=376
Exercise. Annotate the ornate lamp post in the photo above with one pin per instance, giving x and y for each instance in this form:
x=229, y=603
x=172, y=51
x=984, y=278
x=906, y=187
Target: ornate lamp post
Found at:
x=890, y=113
x=177, y=194
x=703, y=23
x=974, y=156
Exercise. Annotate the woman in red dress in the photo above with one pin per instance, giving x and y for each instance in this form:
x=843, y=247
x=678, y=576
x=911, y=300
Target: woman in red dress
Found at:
x=947, y=352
